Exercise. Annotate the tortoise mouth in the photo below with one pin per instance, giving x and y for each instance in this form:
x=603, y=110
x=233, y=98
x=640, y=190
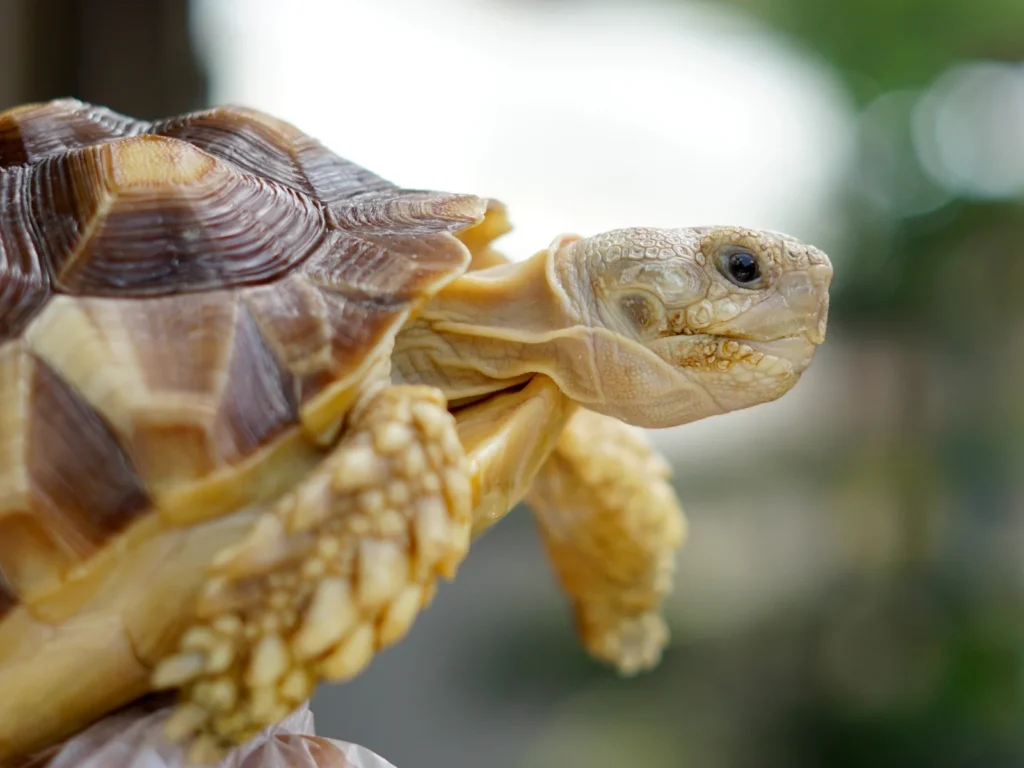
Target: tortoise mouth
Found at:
x=796, y=350
x=786, y=354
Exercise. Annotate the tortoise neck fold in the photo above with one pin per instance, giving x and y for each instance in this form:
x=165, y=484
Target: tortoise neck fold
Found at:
x=487, y=331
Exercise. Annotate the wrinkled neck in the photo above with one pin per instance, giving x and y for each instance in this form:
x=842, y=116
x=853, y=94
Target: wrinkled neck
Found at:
x=486, y=331
x=520, y=299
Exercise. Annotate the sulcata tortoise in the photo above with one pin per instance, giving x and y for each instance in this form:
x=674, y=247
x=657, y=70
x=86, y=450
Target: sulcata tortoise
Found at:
x=255, y=400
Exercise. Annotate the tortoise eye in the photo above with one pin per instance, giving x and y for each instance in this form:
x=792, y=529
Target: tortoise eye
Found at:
x=740, y=266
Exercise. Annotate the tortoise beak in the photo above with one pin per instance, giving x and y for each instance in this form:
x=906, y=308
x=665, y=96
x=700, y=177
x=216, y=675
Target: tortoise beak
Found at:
x=820, y=277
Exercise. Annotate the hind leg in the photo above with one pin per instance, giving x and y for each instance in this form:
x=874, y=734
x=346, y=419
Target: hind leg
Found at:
x=336, y=572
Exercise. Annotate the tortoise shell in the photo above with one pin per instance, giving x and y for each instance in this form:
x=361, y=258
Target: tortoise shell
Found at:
x=185, y=307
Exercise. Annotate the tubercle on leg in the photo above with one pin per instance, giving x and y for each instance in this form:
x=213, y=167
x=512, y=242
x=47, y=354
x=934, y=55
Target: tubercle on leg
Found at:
x=336, y=572
x=611, y=524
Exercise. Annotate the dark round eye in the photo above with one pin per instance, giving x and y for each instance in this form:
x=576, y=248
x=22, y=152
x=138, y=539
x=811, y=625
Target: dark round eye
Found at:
x=743, y=267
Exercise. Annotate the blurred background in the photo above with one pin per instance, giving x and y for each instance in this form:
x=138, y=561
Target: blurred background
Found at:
x=852, y=591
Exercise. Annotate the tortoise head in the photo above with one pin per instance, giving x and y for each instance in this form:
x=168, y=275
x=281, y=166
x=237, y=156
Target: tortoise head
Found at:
x=687, y=323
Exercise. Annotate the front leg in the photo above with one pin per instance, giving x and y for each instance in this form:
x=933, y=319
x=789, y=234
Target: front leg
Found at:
x=338, y=570
x=611, y=523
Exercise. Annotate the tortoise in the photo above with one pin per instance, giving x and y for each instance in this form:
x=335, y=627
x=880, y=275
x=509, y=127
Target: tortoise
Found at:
x=256, y=400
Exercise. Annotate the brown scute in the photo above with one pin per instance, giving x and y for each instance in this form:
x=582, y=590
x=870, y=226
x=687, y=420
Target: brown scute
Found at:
x=149, y=217
x=319, y=335
x=408, y=213
x=387, y=269
x=24, y=284
x=76, y=464
x=292, y=318
x=264, y=146
x=32, y=132
x=181, y=343
x=259, y=398
x=357, y=327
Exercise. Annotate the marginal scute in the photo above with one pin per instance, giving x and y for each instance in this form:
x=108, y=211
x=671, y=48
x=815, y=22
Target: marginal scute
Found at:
x=292, y=317
x=408, y=213
x=31, y=557
x=320, y=336
x=187, y=382
x=480, y=237
x=388, y=269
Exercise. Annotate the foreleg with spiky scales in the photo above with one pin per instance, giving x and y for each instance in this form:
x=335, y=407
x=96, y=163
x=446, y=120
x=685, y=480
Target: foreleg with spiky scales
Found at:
x=338, y=570
x=612, y=525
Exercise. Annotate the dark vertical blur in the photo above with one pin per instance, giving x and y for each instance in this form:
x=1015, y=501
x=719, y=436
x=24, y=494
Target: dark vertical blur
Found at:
x=135, y=57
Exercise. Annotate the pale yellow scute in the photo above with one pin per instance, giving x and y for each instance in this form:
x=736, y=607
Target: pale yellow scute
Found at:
x=178, y=351
x=32, y=560
x=100, y=363
x=144, y=161
x=54, y=673
x=94, y=345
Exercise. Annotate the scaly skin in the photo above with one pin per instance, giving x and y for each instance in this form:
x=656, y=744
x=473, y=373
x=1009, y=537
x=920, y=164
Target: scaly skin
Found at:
x=611, y=524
